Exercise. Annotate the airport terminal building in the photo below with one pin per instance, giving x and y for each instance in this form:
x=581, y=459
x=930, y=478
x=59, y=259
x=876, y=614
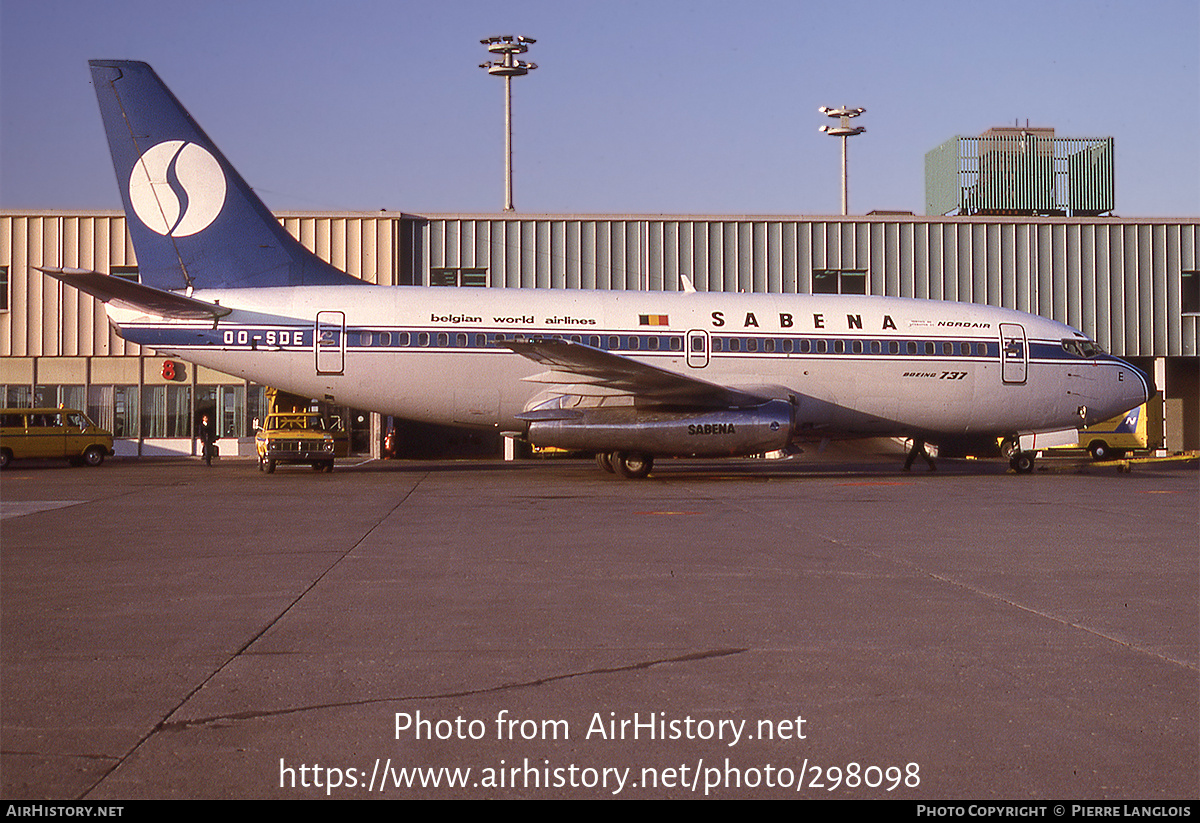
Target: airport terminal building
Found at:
x=1131, y=284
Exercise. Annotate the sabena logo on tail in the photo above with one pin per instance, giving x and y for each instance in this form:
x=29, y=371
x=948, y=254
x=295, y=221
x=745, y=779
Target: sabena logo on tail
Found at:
x=172, y=165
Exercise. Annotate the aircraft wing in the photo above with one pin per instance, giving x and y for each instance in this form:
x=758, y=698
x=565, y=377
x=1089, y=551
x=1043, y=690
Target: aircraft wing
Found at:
x=128, y=294
x=584, y=364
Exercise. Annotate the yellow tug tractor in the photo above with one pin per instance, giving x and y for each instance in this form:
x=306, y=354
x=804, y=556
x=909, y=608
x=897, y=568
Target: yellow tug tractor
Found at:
x=293, y=434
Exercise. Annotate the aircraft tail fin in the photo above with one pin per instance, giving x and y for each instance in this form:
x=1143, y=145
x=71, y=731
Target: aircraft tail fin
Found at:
x=194, y=221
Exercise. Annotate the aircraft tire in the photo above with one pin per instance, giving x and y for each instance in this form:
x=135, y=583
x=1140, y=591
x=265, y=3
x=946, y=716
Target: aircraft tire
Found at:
x=1009, y=447
x=1022, y=462
x=605, y=461
x=632, y=465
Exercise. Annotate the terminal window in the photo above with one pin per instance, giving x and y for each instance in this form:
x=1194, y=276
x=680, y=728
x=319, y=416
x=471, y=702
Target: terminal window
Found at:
x=470, y=278
x=839, y=281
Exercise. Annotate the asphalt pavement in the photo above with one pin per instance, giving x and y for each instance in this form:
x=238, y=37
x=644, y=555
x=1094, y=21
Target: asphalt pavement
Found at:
x=823, y=626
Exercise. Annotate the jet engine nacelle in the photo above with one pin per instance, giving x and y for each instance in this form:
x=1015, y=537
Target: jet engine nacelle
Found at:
x=724, y=433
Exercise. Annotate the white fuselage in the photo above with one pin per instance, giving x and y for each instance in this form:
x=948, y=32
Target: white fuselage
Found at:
x=853, y=365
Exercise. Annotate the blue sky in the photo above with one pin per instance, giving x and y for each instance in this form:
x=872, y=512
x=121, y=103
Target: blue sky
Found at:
x=655, y=106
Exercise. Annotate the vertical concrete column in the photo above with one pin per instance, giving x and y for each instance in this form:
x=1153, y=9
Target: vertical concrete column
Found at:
x=1161, y=408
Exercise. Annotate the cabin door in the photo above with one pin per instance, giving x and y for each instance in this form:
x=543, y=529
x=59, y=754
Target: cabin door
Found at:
x=1014, y=353
x=329, y=342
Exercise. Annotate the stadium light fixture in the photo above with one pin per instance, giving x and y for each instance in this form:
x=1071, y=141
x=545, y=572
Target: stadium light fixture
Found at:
x=507, y=47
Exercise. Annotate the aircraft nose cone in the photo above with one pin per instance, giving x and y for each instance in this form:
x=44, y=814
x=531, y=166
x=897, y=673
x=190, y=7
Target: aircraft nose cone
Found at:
x=1150, y=388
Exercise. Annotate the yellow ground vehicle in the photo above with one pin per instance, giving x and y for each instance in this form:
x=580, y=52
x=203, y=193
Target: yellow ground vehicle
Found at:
x=52, y=433
x=300, y=437
x=1112, y=438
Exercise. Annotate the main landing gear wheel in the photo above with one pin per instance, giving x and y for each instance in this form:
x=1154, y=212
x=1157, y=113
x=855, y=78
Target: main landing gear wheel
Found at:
x=604, y=461
x=632, y=465
x=1022, y=462
x=1009, y=447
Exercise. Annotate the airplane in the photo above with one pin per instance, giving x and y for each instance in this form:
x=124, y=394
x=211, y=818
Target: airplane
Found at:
x=630, y=376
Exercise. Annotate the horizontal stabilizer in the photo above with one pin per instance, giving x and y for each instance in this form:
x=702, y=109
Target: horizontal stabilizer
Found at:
x=128, y=294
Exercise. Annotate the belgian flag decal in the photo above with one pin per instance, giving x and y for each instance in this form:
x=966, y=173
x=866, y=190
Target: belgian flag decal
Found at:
x=653, y=320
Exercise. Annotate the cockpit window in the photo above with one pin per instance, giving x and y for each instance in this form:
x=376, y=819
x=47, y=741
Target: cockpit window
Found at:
x=1082, y=347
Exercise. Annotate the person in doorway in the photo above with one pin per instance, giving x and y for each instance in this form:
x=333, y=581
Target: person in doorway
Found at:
x=208, y=436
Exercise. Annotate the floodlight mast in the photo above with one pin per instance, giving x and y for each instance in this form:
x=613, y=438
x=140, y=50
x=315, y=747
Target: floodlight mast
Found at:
x=508, y=47
x=845, y=131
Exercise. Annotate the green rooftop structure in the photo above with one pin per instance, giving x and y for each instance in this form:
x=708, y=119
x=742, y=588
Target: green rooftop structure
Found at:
x=1020, y=172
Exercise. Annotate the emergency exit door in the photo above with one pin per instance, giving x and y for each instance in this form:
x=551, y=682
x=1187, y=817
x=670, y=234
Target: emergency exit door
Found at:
x=697, y=348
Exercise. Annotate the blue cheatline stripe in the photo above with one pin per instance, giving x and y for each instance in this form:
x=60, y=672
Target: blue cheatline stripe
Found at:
x=364, y=340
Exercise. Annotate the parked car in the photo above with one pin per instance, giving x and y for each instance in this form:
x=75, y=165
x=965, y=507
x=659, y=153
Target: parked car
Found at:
x=63, y=433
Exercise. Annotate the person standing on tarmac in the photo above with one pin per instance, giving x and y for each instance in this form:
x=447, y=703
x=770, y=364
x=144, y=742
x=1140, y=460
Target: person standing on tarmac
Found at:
x=918, y=449
x=208, y=436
